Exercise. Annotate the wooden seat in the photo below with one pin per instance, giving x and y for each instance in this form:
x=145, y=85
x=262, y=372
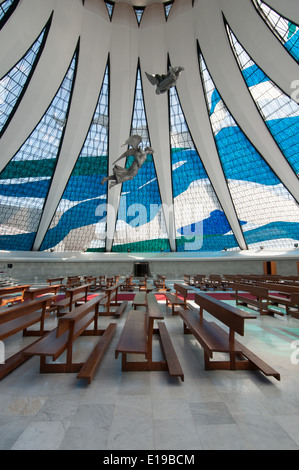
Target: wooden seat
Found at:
x=144, y=284
x=90, y=367
x=199, y=281
x=280, y=294
x=214, y=339
x=139, y=300
x=137, y=336
x=70, y=327
x=252, y=296
x=160, y=283
x=294, y=311
x=128, y=284
x=60, y=280
x=92, y=280
x=12, y=294
x=111, y=301
x=102, y=282
x=72, y=297
x=33, y=293
x=20, y=317
x=177, y=299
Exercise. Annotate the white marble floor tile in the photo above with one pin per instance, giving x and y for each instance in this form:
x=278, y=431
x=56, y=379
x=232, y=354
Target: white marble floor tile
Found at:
x=151, y=410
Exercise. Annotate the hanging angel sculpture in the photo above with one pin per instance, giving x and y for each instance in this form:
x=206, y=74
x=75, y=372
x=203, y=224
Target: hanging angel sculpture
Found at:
x=120, y=175
x=165, y=82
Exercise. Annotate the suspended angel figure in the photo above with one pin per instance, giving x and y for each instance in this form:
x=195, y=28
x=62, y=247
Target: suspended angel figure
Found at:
x=120, y=175
x=164, y=82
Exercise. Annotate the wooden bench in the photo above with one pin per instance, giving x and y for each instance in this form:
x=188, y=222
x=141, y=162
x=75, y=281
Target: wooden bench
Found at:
x=32, y=293
x=72, y=281
x=72, y=297
x=92, y=280
x=144, y=284
x=280, y=294
x=12, y=294
x=19, y=318
x=256, y=297
x=214, y=339
x=199, y=281
x=177, y=299
x=295, y=305
x=160, y=283
x=36, y=292
x=61, y=339
x=128, y=284
x=102, y=282
x=214, y=281
x=50, y=280
x=111, y=301
x=139, y=300
x=187, y=279
x=137, y=338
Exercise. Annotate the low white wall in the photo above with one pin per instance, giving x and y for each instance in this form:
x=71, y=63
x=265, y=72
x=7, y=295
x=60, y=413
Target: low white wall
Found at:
x=37, y=267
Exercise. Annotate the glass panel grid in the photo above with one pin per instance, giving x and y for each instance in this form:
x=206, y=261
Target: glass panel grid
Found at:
x=266, y=210
x=12, y=85
x=4, y=7
x=141, y=225
x=25, y=180
x=200, y=222
x=79, y=223
x=286, y=31
x=280, y=112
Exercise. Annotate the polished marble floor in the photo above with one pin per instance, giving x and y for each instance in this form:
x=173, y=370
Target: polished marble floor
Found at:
x=231, y=410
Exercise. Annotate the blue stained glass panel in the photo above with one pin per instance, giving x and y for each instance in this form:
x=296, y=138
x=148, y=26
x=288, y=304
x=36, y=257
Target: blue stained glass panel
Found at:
x=78, y=224
x=23, y=195
x=200, y=222
x=266, y=210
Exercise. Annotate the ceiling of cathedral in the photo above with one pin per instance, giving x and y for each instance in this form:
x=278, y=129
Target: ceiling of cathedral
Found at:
x=75, y=84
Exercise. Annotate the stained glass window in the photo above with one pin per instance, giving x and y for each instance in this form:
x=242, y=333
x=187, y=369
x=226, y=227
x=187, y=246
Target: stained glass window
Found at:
x=280, y=112
x=266, y=210
x=200, y=221
x=285, y=30
x=141, y=225
x=79, y=222
x=15, y=82
x=26, y=179
x=6, y=8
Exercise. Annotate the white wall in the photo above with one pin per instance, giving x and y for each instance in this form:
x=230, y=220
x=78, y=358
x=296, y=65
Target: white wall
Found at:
x=37, y=267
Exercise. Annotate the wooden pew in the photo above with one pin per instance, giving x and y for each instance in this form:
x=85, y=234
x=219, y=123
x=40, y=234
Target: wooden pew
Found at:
x=280, y=294
x=111, y=301
x=214, y=281
x=36, y=292
x=295, y=305
x=92, y=280
x=139, y=300
x=214, y=339
x=32, y=293
x=12, y=294
x=259, y=294
x=128, y=284
x=175, y=299
x=72, y=281
x=61, y=339
x=72, y=297
x=102, y=282
x=18, y=318
x=188, y=280
x=50, y=280
x=137, y=338
x=160, y=283
x=144, y=284
x=199, y=281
